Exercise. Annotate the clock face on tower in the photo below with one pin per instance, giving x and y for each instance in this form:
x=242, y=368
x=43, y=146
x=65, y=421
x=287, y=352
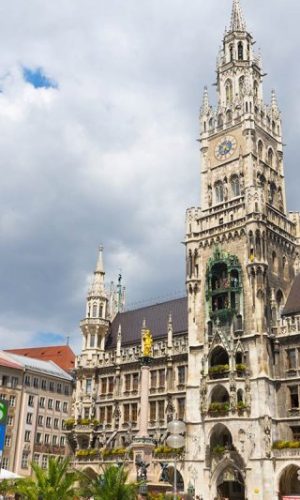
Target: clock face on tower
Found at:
x=225, y=147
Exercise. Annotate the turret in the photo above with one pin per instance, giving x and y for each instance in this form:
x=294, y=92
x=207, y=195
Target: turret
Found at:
x=95, y=325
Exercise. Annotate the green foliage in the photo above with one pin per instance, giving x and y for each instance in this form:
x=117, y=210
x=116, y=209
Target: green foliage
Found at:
x=7, y=486
x=69, y=423
x=218, y=369
x=281, y=445
x=166, y=450
x=55, y=482
x=111, y=485
x=240, y=367
x=84, y=421
x=219, y=407
x=241, y=406
x=90, y=452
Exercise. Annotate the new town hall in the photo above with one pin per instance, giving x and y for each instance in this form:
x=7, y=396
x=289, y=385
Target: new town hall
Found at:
x=225, y=358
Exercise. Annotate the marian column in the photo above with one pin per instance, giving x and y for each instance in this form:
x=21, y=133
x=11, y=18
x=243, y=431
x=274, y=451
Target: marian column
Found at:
x=143, y=445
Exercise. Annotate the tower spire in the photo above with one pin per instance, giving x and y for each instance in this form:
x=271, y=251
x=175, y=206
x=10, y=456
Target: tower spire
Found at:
x=97, y=286
x=237, y=19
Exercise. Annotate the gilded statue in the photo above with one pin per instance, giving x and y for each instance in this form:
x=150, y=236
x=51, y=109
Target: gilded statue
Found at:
x=147, y=343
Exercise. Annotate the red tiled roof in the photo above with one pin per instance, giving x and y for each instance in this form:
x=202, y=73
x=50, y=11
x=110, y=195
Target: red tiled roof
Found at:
x=10, y=364
x=62, y=355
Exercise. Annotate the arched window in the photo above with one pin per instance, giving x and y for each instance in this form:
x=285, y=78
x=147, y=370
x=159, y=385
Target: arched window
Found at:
x=279, y=300
x=241, y=85
x=260, y=149
x=204, y=126
x=231, y=52
x=220, y=436
x=235, y=186
x=220, y=121
x=101, y=311
x=94, y=310
x=229, y=91
x=219, y=192
x=240, y=396
x=219, y=358
x=240, y=51
x=211, y=124
x=270, y=157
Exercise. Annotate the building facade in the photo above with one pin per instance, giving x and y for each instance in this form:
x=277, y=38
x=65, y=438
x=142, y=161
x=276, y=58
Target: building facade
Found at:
x=225, y=358
x=40, y=401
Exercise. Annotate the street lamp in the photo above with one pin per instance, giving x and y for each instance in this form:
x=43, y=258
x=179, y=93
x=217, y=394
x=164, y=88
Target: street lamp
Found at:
x=176, y=428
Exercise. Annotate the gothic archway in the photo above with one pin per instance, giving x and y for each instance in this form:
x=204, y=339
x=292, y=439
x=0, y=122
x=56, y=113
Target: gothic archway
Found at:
x=289, y=483
x=230, y=484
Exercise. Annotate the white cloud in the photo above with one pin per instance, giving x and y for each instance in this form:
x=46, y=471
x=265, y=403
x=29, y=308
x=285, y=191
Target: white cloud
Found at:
x=111, y=155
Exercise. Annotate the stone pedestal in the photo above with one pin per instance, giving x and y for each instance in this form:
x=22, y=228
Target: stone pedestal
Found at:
x=142, y=445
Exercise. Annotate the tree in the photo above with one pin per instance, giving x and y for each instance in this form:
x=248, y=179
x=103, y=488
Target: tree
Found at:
x=111, y=485
x=54, y=482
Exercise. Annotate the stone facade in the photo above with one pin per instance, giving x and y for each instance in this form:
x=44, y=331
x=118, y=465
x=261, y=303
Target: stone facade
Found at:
x=40, y=400
x=240, y=355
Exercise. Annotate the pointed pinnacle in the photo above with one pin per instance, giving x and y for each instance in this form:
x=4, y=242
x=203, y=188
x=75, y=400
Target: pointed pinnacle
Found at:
x=237, y=19
x=119, y=331
x=274, y=103
x=205, y=102
x=99, y=266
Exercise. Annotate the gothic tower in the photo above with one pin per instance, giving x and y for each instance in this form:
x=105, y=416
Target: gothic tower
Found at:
x=241, y=249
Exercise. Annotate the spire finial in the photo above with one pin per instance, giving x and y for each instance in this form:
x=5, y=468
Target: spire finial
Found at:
x=99, y=266
x=237, y=19
x=205, y=102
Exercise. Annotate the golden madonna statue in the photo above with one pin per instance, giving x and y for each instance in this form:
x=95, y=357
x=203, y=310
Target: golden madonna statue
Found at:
x=147, y=343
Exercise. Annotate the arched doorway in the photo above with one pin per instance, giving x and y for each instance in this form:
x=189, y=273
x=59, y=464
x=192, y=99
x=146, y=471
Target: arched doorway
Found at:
x=230, y=485
x=289, y=483
x=179, y=478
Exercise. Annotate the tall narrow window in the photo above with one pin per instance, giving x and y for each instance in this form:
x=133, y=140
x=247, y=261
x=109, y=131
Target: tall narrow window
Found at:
x=270, y=157
x=240, y=51
x=294, y=396
x=134, y=412
x=219, y=192
x=94, y=310
x=229, y=91
x=255, y=89
x=260, y=148
x=153, y=411
x=235, y=186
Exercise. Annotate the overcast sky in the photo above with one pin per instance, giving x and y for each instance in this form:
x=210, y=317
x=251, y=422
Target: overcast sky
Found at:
x=103, y=150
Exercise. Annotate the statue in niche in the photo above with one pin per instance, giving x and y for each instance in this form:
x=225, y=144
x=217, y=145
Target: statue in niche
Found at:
x=267, y=424
x=225, y=189
x=209, y=196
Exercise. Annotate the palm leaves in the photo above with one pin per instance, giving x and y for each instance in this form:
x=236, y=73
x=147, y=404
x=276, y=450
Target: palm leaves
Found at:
x=54, y=482
x=111, y=485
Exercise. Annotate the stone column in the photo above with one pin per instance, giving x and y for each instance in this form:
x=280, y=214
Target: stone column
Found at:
x=144, y=408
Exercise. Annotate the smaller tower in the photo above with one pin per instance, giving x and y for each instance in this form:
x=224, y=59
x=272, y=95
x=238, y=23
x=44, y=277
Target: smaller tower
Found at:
x=95, y=325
